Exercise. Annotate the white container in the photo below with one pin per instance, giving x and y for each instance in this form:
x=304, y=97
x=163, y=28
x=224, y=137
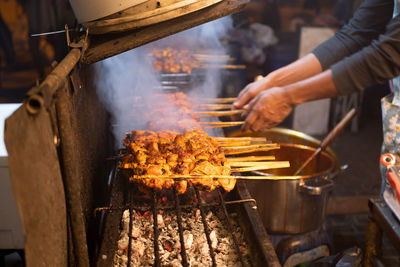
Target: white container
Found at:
x=89, y=10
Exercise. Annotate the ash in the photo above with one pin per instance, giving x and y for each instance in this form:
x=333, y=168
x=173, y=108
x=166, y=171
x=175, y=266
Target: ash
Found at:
x=142, y=240
x=222, y=241
x=196, y=245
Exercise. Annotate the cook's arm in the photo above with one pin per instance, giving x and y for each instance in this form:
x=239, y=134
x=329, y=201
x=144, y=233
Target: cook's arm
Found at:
x=369, y=20
x=375, y=63
x=299, y=70
x=272, y=106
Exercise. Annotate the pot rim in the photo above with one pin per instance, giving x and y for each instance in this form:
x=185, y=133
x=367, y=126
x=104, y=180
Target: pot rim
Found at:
x=334, y=165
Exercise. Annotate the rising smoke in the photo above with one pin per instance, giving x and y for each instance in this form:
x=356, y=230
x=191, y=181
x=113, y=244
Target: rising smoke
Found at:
x=123, y=80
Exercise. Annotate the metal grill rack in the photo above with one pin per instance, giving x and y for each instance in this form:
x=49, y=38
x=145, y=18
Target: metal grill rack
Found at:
x=153, y=202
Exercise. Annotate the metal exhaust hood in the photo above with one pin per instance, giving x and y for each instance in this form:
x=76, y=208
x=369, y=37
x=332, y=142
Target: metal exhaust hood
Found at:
x=109, y=41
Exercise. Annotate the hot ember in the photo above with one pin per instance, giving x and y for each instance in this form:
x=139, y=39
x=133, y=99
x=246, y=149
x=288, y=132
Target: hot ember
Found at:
x=165, y=153
x=196, y=245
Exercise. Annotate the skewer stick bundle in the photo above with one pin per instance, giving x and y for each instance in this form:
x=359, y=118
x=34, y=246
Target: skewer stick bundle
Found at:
x=223, y=66
x=208, y=114
x=228, y=139
x=239, y=143
x=214, y=106
x=264, y=166
x=250, y=158
x=250, y=163
x=219, y=124
x=244, y=142
x=218, y=100
x=233, y=123
x=241, y=177
x=248, y=146
x=249, y=150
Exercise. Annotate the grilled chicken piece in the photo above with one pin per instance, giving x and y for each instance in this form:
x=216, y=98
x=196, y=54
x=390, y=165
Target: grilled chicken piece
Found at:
x=204, y=168
x=227, y=184
x=169, y=153
x=156, y=158
x=180, y=142
x=141, y=157
x=180, y=186
x=172, y=160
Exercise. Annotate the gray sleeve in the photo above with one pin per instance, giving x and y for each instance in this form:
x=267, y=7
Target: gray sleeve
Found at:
x=375, y=63
x=368, y=22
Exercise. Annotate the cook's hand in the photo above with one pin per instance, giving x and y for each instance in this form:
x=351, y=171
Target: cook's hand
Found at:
x=267, y=109
x=251, y=91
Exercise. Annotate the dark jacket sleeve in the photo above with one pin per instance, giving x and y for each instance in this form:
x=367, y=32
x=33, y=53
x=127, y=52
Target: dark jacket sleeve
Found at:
x=375, y=63
x=366, y=51
x=368, y=22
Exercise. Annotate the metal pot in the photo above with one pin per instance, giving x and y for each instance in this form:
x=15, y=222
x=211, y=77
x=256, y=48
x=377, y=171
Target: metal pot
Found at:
x=296, y=205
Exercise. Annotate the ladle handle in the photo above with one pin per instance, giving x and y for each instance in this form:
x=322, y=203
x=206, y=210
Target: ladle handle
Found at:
x=338, y=128
x=327, y=140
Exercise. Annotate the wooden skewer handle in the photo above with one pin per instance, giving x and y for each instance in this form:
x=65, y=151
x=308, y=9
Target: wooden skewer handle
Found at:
x=219, y=100
x=205, y=114
x=228, y=123
x=260, y=177
x=327, y=140
x=338, y=128
x=250, y=158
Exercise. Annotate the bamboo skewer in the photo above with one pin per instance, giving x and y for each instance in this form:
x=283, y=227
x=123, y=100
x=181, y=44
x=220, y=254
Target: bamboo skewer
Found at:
x=253, y=146
x=240, y=138
x=265, y=166
x=214, y=106
x=222, y=66
x=250, y=163
x=240, y=143
x=207, y=114
x=250, y=158
x=249, y=150
x=220, y=124
x=241, y=177
x=247, y=146
x=218, y=100
x=217, y=126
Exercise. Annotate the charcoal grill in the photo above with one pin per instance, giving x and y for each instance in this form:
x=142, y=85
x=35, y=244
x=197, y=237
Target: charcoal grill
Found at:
x=58, y=143
x=125, y=196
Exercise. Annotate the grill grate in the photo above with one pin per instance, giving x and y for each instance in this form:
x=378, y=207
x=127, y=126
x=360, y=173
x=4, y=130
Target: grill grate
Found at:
x=155, y=227
x=132, y=203
x=180, y=229
x=206, y=230
x=156, y=202
x=230, y=228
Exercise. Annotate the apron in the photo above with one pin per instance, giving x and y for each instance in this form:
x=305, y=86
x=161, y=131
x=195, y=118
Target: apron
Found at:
x=391, y=118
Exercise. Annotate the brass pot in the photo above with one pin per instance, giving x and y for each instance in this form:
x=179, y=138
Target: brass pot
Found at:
x=284, y=135
x=298, y=204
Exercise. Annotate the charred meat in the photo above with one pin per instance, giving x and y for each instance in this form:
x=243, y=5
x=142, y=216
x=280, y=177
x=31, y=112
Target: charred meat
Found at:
x=170, y=153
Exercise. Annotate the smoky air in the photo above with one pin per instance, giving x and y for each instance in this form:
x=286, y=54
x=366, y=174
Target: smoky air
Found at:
x=133, y=90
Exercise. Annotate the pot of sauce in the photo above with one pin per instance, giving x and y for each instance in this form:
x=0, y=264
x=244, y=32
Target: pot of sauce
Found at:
x=296, y=205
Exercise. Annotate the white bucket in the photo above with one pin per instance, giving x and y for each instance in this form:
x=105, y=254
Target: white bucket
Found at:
x=89, y=10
